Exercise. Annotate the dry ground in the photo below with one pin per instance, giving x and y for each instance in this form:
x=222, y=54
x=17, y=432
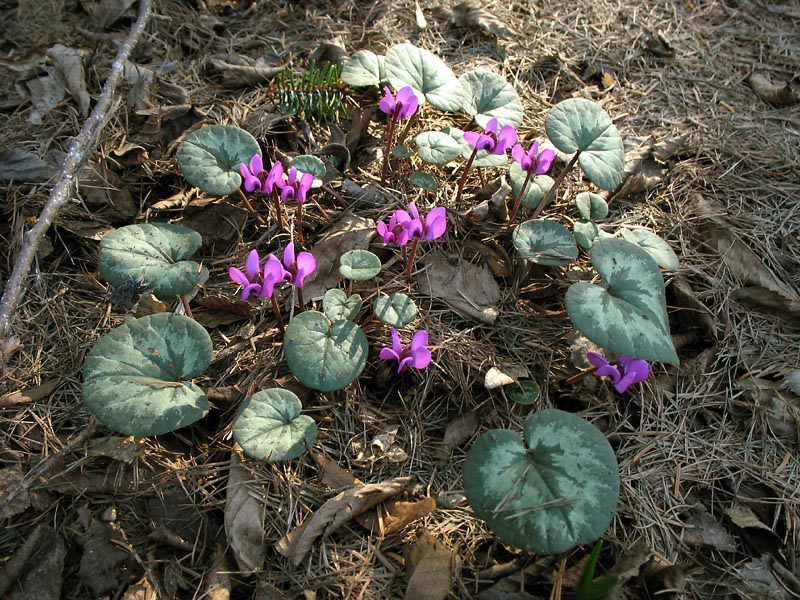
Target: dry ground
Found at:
x=708, y=452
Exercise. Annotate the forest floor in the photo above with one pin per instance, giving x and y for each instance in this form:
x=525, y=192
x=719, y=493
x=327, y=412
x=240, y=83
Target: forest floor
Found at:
x=704, y=92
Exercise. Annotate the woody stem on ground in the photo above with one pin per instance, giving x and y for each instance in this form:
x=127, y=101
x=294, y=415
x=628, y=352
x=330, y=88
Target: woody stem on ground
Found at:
x=249, y=207
x=551, y=192
x=278, y=318
x=299, y=227
x=518, y=199
x=80, y=148
x=186, y=307
x=577, y=377
x=387, y=154
x=463, y=179
x=411, y=256
x=279, y=212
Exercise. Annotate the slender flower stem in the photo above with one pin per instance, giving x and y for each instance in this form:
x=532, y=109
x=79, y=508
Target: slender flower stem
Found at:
x=411, y=256
x=463, y=179
x=300, y=301
x=299, y=227
x=577, y=377
x=518, y=199
x=278, y=318
x=279, y=211
x=389, y=138
x=249, y=207
x=186, y=307
x=401, y=140
x=551, y=192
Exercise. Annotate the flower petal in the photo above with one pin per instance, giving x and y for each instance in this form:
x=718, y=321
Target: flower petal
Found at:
x=256, y=164
x=597, y=360
x=288, y=255
x=388, y=354
x=237, y=276
x=306, y=263
x=435, y=223
x=491, y=126
x=471, y=137
x=545, y=161
x=505, y=139
x=397, y=345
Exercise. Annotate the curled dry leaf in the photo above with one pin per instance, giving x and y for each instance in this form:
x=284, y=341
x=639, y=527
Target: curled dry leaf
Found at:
x=645, y=166
x=393, y=515
x=242, y=71
x=124, y=449
x=333, y=475
x=335, y=513
x=244, y=517
x=469, y=290
x=14, y=496
x=429, y=567
x=459, y=430
x=105, y=192
x=106, y=12
x=30, y=395
x=20, y=166
x=472, y=16
x=69, y=64
x=779, y=94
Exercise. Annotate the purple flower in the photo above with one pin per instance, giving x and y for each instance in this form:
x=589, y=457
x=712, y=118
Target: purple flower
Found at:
x=490, y=140
x=253, y=176
x=429, y=227
x=298, y=267
x=394, y=233
x=254, y=279
x=292, y=187
x=400, y=107
x=533, y=162
x=415, y=355
x=634, y=370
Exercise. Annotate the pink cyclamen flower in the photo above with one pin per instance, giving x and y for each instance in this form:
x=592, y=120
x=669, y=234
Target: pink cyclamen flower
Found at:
x=429, y=227
x=293, y=187
x=253, y=175
x=634, y=370
x=298, y=267
x=254, y=279
x=394, y=232
x=533, y=161
x=490, y=140
x=401, y=106
x=416, y=355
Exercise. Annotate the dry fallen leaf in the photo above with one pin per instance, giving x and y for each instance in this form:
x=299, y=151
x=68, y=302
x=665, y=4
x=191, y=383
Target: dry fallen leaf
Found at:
x=779, y=94
x=125, y=449
x=459, y=430
x=106, y=12
x=244, y=517
x=469, y=290
x=334, y=476
x=704, y=530
x=143, y=590
x=20, y=166
x=429, y=566
x=335, y=513
x=30, y=395
x=69, y=64
x=393, y=515
x=14, y=498
x=104, y=192
x=472, y=16
x=645, y=165
x=242, y=71
x=778, y=410
x=104, y=552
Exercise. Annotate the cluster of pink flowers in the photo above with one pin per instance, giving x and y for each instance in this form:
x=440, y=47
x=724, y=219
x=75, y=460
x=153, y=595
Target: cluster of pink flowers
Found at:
x=630, y=370
x=292, y=187
x=415, y=355
x=262, y=281
x=406, y=225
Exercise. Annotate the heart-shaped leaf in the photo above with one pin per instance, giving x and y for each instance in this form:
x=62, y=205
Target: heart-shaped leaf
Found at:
x=655, y=246
x=545, y=242
x=134, y=378
x=580, y=125
x=426, y=181
x=629, y=315
x=488, y=95
x=305, y=163
x=396, y=310
x=209, y=157
x=363, y=68
x=426, y=73
x=483, y=158
x=585, y=232
x=324, y=356
x=153, y=253
x=401, y=152
x=269, y=426
x=537, y=187
x=524, y=392
x=554, y=491
x=436, y=147
x=338, y=306
x=359, y=265
x=593, y=207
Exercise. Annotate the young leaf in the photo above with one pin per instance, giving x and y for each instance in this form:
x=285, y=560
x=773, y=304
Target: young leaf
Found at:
x=585, y=232
x=359, y=265
x=436, y=147
x=134, y=378
x=306, y=163
x=629, y=315
x=426, y=181
x=426, y=73
x=363, y=68
x=545, y=242
x=536, y=189
x=592, y=207
x=590, y=588
x=524, y=392
x=401, y=152
x=269, y=426
x=396, y=310
x=338, y=306
x=488, y=95
x=580, y=125
x=549, y=493
x=655, y=246
x=209, y=158
x=153, y=253
x=324, y=356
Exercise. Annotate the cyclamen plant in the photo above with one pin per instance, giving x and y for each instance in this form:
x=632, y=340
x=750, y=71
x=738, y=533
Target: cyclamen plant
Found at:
x=415, y=355
x=410, y=225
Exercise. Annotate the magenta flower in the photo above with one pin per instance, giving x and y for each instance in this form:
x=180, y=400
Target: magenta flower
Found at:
x=429, y=227
x=634, y=370
x=533, y=162
x=254, y=279
x=394, y=233
x=416, y=355
x=490, y=140
x=292, y=187
x=253, y=175
x=402, y=106
x=298, y=267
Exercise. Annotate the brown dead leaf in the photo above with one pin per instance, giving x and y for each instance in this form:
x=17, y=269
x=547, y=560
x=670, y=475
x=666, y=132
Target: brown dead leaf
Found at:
x=778, y=410
x=104, y=552
x=217, y=222
x=630, y=563
x=348, y=233
x=238, y=71
x=469, y=290
x=756, y=533
x=645, y=165
x=105, y=192
x=429, y=568
x=769, y=301
x=473, y=16
x=393, y=515
x=691, y=311
x=130, y=155
x=20, y=166
x=105, y=13
x=459, y=430
x=69, y=64
x=335, y=512
x=141, y=590
x=666, y=581
x=704, y=530
x=760, y=576
x=125, y=449
x=777, y=93
x=14, y=497
x=494, y=255
x=334, y=476
x=658, y=45
x=32, y=394
x=244, y=517
x=36, y=568
x=221, y=310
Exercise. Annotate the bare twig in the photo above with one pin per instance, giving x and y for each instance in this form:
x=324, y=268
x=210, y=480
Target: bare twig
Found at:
x=80, y=149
